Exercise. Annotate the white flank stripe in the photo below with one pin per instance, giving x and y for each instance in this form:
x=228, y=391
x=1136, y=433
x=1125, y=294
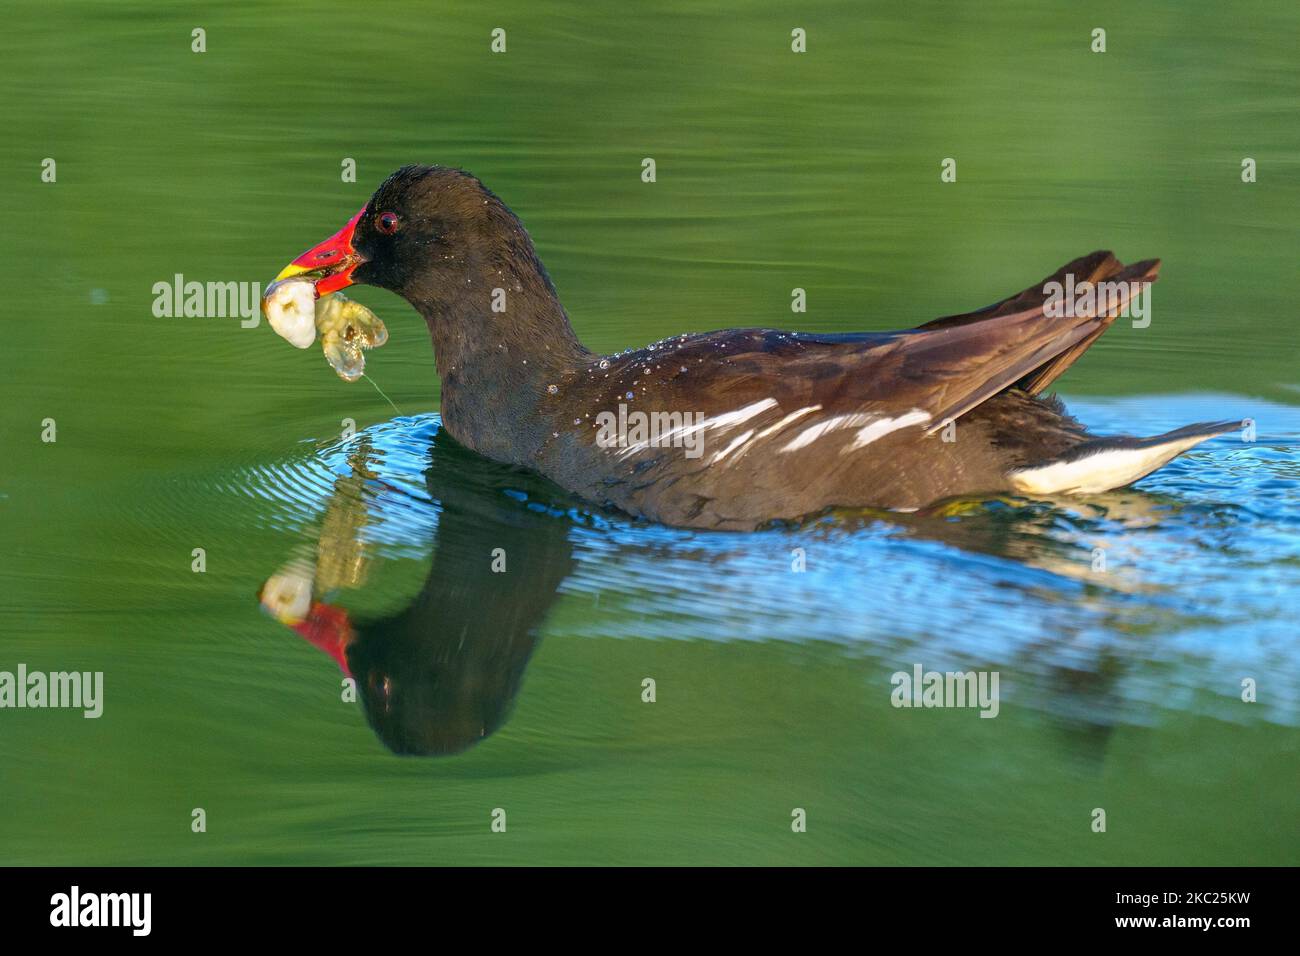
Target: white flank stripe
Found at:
x=732, y=419
x=786, y=421
x=771, y=429
x=732, y=447
x=814, y=432
x=723, y=421
x=886, y=425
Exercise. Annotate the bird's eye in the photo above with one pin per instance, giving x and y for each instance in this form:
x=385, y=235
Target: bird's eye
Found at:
x=387, y=223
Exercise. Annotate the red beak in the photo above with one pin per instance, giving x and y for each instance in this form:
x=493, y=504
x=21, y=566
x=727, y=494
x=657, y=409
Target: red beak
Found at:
x=329, y=265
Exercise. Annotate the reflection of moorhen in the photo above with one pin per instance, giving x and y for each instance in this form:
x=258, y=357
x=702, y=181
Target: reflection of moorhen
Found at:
x=442, y=674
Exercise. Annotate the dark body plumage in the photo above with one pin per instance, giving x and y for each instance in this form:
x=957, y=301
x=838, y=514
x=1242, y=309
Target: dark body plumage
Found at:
x=791, y=423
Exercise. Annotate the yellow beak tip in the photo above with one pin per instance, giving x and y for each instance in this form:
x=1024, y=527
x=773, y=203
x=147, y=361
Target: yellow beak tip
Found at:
x=289, y=271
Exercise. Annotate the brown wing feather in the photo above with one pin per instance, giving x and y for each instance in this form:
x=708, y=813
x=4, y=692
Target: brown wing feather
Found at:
x=945, y=368
x=785, y=424
x=824, y=396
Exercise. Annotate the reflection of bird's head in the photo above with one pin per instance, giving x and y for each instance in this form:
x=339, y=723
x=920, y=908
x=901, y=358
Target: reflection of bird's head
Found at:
x=442, y=673
x=287, y=597
x=435, y=704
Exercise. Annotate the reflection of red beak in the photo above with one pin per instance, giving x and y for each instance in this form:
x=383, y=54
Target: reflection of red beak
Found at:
x=329, y=265
x=328, y=628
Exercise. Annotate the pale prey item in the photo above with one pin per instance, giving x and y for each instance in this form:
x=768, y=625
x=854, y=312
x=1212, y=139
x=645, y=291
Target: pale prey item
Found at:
x=290, y=307
x=346, y=328
x=287, y=594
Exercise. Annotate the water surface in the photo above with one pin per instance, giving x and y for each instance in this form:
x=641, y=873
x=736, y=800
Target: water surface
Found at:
x=1120, y=689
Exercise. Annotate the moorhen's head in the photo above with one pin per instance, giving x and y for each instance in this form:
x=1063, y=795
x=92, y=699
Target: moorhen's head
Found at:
x=435, y=236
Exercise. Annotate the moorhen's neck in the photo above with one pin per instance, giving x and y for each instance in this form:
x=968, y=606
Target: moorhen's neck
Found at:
x=495, y=366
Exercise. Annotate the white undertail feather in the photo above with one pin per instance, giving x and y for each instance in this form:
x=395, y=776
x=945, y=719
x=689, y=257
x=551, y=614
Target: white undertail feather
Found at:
x=1104, y=469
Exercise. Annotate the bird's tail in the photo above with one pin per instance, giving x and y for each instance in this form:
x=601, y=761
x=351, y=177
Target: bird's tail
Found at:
x=1100, y=270
x=1106, y=463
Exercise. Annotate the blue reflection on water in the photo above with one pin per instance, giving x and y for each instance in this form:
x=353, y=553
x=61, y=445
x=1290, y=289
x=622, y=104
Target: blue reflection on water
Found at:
x=1202, y=567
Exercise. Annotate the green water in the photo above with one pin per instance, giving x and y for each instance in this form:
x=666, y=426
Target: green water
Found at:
x=775, y=170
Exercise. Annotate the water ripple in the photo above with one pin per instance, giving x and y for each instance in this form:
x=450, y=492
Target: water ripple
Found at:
x=1200, y=566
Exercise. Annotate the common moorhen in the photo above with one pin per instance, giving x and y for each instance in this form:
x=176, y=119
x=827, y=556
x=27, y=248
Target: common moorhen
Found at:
x=738, y=428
